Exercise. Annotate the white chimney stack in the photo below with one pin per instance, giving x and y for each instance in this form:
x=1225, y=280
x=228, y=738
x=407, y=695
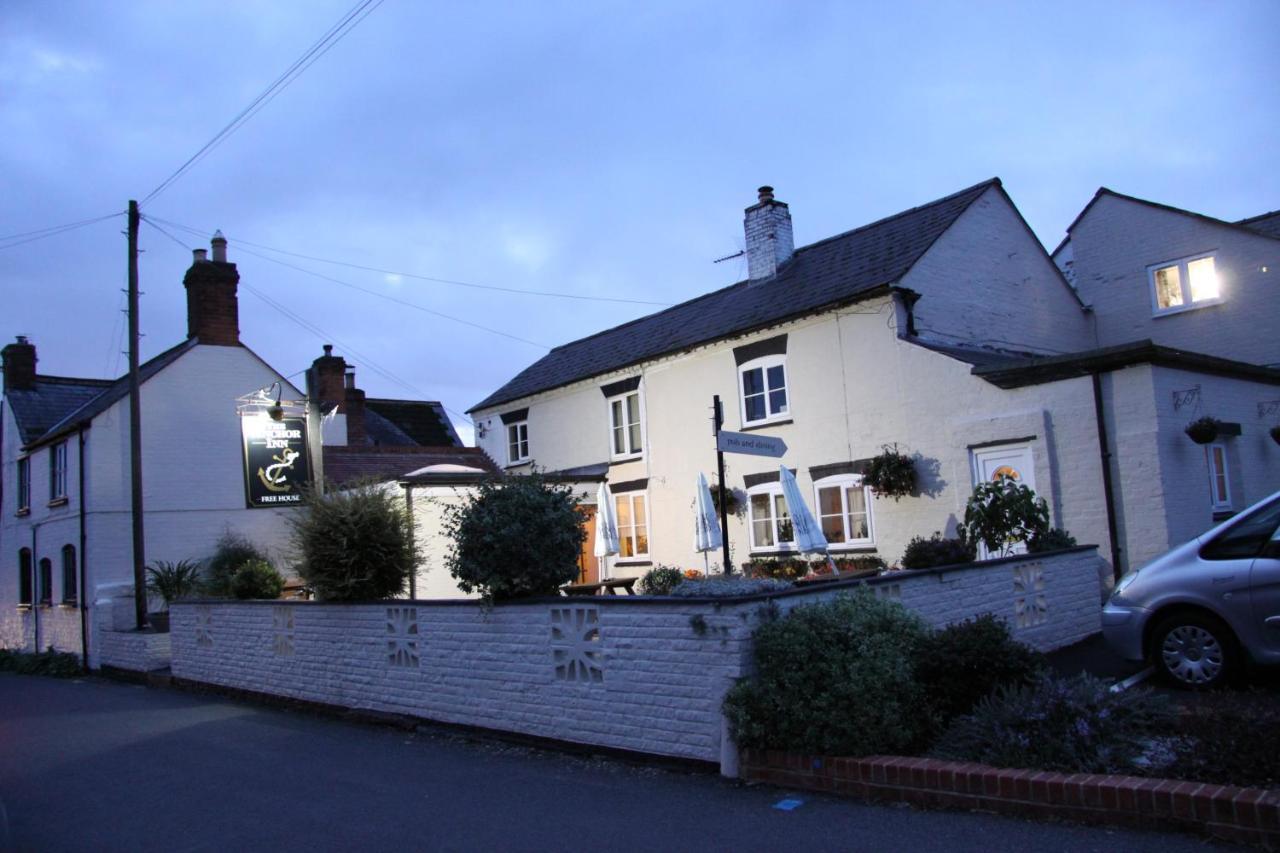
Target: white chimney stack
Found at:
x=770, y=243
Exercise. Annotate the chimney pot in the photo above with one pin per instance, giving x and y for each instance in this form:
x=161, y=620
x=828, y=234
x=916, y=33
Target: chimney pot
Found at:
x=766, y=194
x=328, y=349
x=19, y=365
x=350, y=377
x=219, y=244
x=213, y=311
x=199, y=256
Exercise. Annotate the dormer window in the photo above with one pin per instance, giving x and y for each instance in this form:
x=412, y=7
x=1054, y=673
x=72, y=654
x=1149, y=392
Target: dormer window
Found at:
x=517, y=442
x=1184, y=284
x=625, y=430
x=764, y=390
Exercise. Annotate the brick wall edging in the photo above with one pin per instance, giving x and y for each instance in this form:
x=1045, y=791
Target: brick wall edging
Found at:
x=1242, y=815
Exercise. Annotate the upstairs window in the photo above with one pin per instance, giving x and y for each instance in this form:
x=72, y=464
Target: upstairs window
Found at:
x=764, y=390
x=517, y=442
x=24, y=484
x=58, y=472
x=844, y=511
x=69, y=583
x=24, y=576
x=625, y=432
x=1187, y=283
x=771, y=527
x=633, y=525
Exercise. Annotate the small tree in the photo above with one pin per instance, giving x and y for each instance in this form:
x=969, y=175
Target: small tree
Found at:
x=257, y=579
x=232, y=551
x=1002, y=513
x=356, y=544
x=515, y=537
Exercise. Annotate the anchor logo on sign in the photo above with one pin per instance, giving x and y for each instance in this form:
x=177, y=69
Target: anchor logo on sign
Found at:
x=274, y=476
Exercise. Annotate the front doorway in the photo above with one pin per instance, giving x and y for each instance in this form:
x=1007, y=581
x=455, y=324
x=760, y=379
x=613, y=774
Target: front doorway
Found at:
x=588, y=562
x=1005, y=460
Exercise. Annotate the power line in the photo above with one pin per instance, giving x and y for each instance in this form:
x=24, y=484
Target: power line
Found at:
x=331, y=37
x=242, y=242
x=31, y=236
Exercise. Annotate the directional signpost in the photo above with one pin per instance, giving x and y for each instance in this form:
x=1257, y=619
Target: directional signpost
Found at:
x=737, y=442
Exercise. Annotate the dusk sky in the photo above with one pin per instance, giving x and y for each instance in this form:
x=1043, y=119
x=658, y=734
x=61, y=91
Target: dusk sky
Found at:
x=597, y=149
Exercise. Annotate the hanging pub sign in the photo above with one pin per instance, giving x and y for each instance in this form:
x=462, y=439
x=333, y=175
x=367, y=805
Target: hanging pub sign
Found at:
x=275, y=460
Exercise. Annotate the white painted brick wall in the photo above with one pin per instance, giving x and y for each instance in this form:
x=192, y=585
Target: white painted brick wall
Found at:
x=661, y=680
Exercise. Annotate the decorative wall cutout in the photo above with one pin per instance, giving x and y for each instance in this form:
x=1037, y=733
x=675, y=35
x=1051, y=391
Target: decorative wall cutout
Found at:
x=402, y=636
x=1030, y=606
x=575, y=644
x=282, y=626
x=204, y=627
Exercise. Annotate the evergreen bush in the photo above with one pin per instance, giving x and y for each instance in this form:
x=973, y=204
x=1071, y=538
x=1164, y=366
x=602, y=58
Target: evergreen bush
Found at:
x=171, y=581
x=516, y=537
x=355, y=544
x=660, y=580
x=257, y=579
x=924, y=553
x=232, y=551
x=966, y=661
x=1053, y=539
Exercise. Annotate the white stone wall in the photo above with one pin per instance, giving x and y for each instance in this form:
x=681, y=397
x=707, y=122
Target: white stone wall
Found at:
x=647, y=675
x=134, y=651
x=1117, y=240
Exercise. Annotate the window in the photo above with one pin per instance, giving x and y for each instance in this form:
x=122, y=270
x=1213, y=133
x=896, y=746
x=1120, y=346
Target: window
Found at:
x=764, y=390
x=633, y=525
x=24, y=484
x=69, y=580
x=1219, y=485
x=58, y=472
x=517, y=442
x=771, y=527
x=46, y=581
x=24, y=576
x=844, y=511
x=1184, y=284
x=624, y=425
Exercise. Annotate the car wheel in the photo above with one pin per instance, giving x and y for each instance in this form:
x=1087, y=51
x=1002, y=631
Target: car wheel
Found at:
x=1193, y=650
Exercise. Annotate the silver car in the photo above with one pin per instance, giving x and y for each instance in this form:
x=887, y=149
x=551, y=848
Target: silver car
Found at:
x=1196, y=612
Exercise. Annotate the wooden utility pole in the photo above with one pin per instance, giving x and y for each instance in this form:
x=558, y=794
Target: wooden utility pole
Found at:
x=135, y=429
x=718, y=419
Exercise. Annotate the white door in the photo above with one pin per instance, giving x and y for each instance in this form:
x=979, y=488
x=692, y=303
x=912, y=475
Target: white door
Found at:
x=1010, y=460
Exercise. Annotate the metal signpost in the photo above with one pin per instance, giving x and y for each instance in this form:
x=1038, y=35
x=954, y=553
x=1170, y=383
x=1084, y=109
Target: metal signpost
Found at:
x=736, y=442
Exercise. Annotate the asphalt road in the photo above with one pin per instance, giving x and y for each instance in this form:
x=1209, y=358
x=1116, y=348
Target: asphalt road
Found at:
x=92, y=765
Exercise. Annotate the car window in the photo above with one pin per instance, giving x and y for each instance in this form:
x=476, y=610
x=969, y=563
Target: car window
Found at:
x=1247, y=538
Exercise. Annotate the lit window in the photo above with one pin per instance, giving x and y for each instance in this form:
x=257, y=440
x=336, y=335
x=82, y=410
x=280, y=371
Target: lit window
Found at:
x=633, y=524
x=771, y=527
x=764, y=389
x=624, y=425
x=58, y=471
x=517, y=442
x=1219, y=485
x=1184, y=284
x=69, y=583
x=844, y=511
x=24, y=484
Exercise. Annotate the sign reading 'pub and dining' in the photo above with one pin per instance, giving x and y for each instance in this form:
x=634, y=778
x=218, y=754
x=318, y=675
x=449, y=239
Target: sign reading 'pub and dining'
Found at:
x=275, y=460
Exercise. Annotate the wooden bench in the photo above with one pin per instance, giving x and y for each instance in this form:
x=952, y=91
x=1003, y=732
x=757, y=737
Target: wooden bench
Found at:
x=603, y=588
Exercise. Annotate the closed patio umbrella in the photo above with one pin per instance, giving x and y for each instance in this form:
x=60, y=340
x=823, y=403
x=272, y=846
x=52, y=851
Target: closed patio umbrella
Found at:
x=706, y=535
x=808, y=532
x=606, y=528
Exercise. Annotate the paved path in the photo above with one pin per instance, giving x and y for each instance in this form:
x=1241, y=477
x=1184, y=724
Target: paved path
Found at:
x=91, y=765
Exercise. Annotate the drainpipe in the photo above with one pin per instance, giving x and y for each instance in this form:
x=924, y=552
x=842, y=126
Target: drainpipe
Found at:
x=1108, y=489
x=83, y=593
x=35, y=586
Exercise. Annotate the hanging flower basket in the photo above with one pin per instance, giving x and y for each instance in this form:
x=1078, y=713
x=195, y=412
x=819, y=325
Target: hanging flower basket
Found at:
x=733, y=505
x=1275, y=434
x=891, y=474
x=1204, y=430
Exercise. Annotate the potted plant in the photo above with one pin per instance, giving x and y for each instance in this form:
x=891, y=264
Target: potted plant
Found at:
x=1275, y=434
x=891, y=474
x=1203, y=430
x=732, y=503
x=171, y=582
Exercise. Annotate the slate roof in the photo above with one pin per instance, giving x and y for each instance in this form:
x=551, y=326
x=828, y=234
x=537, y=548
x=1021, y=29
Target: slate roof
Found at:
x=346, y=464
x=58, y=405
x=1266, y=223
x=405, y=422
x=818, y=277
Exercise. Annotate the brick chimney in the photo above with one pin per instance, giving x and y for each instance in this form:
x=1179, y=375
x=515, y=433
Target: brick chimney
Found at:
x=19, y=365
x=331, y=381
x=769, y=241
x=354, y=399
x=213, y=313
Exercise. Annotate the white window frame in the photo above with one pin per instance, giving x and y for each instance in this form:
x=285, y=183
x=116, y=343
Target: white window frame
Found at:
x=23, y=491
x=774, y=490
x=843, y=482
x=58, y=472
x=1218, y=471
x=629, y=531
x=629, y=451
x=763, y=364
x=521, y=431
x=1184, y=281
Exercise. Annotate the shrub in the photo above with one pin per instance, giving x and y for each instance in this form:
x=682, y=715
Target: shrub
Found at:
x=355, y=545
x=257, y=579
x=515, y=537
x=891, y=474
x=834, y=678
x=51, y=663
x=1072, y=725
x=924, y=553
x=660, y=580
x=1229, y=739
x=232, y=551
x=784, y=568
x=962, y=663
x=1002, y=513
x=172, y=581
x=727, y=587
x=1053, y=539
